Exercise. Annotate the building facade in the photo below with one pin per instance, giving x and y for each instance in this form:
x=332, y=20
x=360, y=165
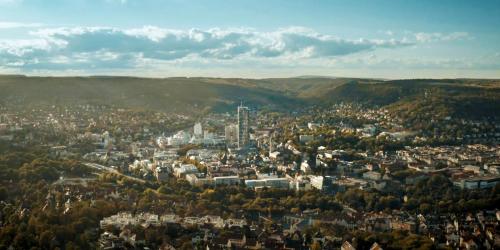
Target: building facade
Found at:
x=198, y=129
x=231, y=132
x=243, y=126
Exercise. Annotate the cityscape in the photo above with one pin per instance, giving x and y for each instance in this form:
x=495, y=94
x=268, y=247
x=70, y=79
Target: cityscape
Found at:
x=286, y=125
x=251, y=179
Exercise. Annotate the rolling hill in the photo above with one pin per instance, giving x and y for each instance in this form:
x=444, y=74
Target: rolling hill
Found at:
x=172, y=94
x=456, y=97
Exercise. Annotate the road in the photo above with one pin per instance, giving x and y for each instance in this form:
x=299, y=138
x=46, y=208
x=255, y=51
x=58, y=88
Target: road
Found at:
x=112, y=170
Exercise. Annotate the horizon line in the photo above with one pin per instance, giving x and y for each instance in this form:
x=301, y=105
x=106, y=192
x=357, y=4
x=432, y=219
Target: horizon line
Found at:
x=250, y=78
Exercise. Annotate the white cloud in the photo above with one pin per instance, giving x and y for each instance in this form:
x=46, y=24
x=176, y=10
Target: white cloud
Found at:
x=149, y=48
x=433, y=37
x=127, y=48
x=117, y=1
x=17, y=25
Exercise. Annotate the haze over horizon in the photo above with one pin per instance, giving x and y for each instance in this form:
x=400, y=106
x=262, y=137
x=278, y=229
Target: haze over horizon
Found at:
x=383, y=39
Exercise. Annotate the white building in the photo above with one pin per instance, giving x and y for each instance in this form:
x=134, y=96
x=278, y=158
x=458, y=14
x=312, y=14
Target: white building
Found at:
x=141, y=165
x=372, y=175
x=306, y=138
x=301, y=184
x=198, y=130
x=477, y=182
x=226, y=180
x=282, y=183
x=317, y=181
x=274, y=155
x=312, y=125
x=278, y=183
x=305, y=168
x=107, y=141
x=164, y=155
x=184, y=170
x=243, y=126
x=198, y=179
x=180, y=138
x=231, y=132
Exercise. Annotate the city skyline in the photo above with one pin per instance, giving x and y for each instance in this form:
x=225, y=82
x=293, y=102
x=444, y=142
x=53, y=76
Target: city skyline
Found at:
x=249, y=124
x=424, y=39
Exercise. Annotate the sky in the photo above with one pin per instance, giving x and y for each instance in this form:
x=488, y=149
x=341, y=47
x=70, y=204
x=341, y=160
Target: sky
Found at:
x=389, y=39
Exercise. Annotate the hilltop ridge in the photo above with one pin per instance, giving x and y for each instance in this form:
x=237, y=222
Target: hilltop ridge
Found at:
x=454, y=96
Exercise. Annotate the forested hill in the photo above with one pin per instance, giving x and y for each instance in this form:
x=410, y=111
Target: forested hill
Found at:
x=171, y=94
x=457, y=97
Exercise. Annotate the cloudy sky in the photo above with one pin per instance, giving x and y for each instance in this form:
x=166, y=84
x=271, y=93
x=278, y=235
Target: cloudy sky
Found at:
x=267, y=38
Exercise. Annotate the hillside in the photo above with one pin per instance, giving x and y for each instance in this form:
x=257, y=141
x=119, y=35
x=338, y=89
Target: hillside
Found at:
x=172, y=94
x=302, y=87
x=455, y=97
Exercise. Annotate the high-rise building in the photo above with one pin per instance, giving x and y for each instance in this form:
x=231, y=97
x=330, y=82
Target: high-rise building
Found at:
x=243, y=126
x=198, y=130
x=231, y=132
x=271, y=143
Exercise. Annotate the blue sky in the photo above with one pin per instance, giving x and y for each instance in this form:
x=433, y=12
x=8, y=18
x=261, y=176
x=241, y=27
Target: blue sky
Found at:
x=382, y=39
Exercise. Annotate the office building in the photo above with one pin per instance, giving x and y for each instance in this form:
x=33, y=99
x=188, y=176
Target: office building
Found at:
x=231, y=132
x=198, y=130
x=243, y=126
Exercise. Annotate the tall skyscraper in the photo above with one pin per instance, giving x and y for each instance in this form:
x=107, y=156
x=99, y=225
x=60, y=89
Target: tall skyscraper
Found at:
x=198, y=130
x=271, y=143
x=243, y=126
